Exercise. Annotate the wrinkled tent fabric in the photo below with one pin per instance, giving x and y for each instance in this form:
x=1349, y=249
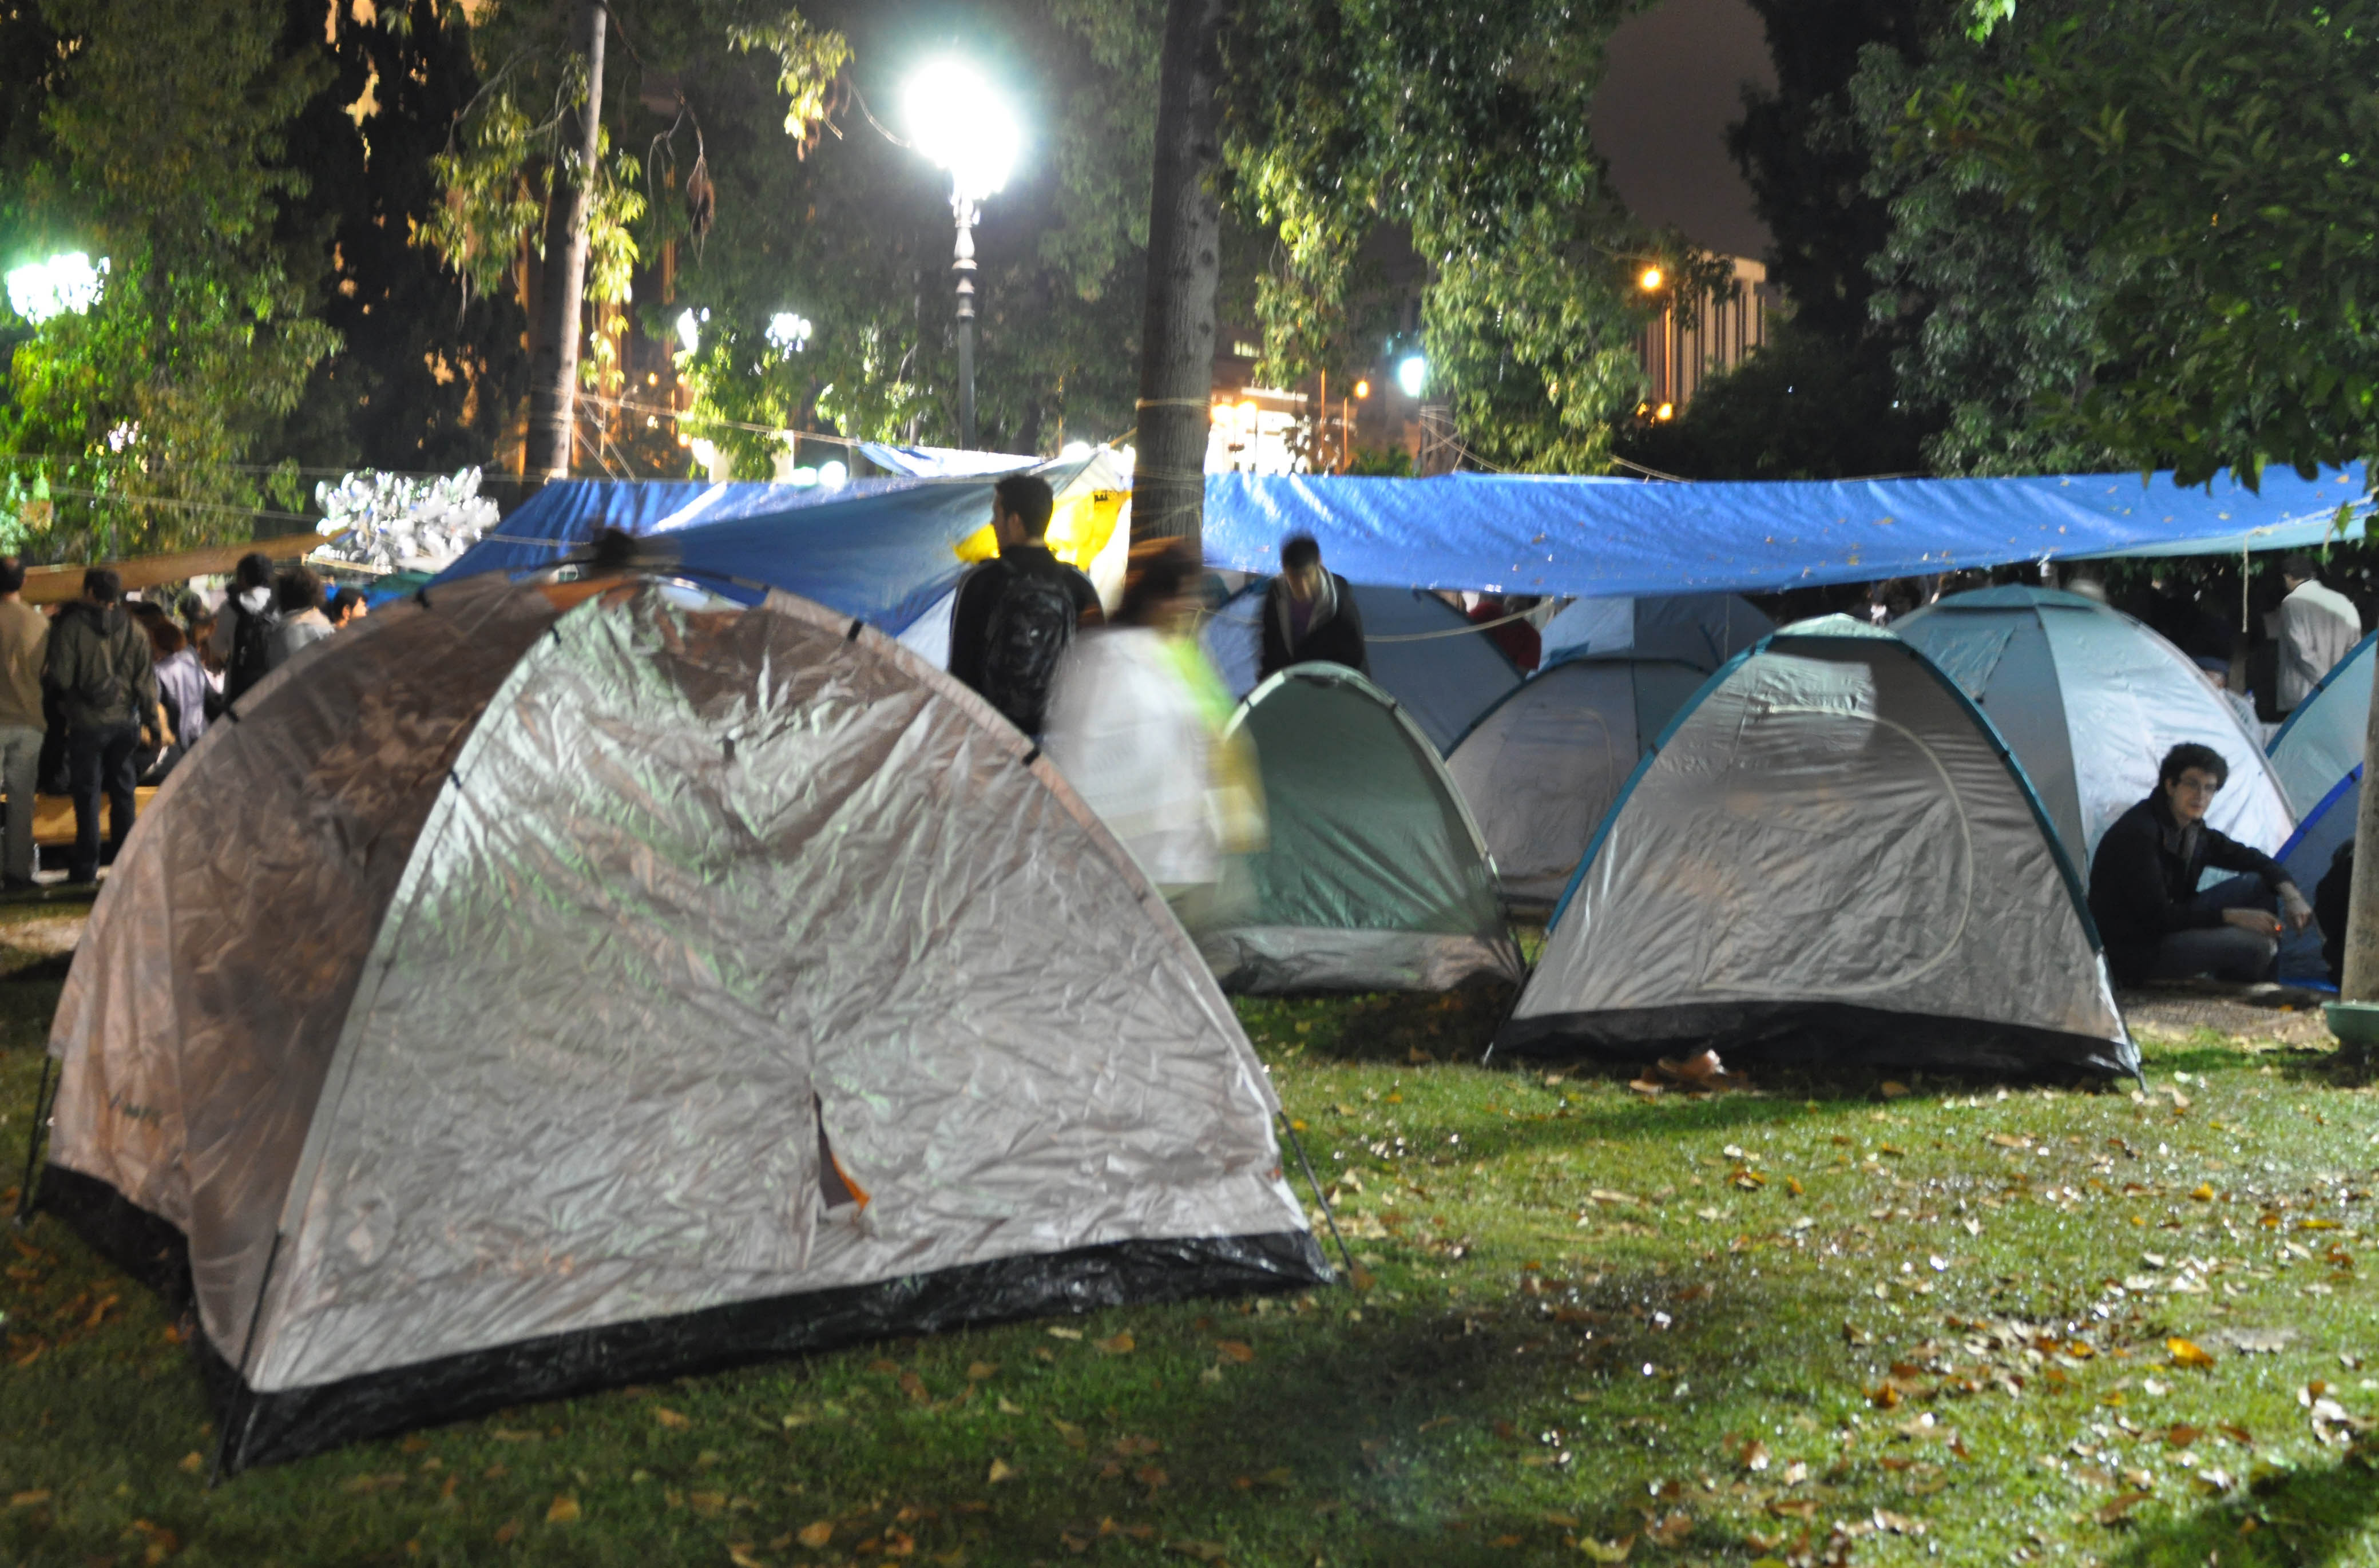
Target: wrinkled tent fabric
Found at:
x=1593, y=538
x=1444, y=672
x=2328, y=826
x=602, y=992
x=1829, y=858
x=943, y=462
x=1702, y=630
x=2091, y=701
x=1375, y=878
x=1540, y=768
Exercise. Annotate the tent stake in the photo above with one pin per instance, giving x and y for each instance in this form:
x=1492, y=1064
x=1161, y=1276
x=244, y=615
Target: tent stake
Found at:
x=1315, y=1182
x=242, y=1405
x=33, y=1141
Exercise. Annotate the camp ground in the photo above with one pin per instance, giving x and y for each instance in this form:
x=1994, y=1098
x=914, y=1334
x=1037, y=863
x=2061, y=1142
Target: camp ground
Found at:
x=601, y=1001
x=2090, y=700
x=1423, y=652
x=1831, y=859
x=1375, y=878
x=1540, y=768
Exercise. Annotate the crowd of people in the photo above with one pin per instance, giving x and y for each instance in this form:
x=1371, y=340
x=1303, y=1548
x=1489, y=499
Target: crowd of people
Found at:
x=106, y=692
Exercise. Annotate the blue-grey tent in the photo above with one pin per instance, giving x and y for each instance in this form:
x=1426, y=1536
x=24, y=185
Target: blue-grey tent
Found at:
x=1702, y=630
x=1830, y=857
x=2318, y=756
x=1424, y=653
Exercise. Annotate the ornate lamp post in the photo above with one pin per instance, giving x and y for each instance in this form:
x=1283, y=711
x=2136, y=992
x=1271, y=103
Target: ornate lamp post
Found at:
x=964, y=127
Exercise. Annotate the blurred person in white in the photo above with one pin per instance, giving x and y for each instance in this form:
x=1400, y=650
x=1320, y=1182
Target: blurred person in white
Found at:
x=1136, y=722
x=24, y=643
x=2318, y=626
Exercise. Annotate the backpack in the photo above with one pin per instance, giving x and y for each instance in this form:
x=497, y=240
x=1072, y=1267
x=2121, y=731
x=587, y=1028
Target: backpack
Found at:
x=251, y=649
x=1029, y=626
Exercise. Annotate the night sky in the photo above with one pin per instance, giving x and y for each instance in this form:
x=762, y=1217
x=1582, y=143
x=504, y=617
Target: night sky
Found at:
x=1675, y=79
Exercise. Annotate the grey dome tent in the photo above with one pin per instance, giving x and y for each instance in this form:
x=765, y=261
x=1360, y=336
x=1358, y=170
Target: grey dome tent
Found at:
x=1540, y=768
x=2091, y=700
x=1704, y=630
x=1423, y=653
x=1375, y=878
x=1828, y=858
x=549, y=987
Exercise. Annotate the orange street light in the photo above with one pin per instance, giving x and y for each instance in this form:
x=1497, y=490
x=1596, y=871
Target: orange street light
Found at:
x=1362, y=389
x=1666, y=411
x=1651, y=280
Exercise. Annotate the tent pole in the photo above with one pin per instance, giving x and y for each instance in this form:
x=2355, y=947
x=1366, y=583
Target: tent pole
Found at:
x=242, y=1405
x=1315, y=1182
x=33, y=1141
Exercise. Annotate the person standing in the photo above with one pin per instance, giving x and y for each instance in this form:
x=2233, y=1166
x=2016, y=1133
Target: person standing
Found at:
x=1015, y=616
x=24, y=641
x=1309, y=614
x=2318, y=627
x=242, y=639
x=181, y=690
x=298, y=594
x=100, y=669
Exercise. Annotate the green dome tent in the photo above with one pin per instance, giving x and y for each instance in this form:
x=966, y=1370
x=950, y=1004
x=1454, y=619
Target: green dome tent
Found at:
x=1375, y=878
x=1828, y=856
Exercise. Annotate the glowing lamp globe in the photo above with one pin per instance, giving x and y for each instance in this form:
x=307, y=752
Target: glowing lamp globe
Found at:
x=963, y=126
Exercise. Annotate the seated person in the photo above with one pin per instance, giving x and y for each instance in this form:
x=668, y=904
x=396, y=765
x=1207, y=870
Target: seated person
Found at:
x=2144, y=883
x=2332, y=896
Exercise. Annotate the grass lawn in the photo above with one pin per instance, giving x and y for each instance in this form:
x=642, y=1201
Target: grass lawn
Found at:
x=1820, y=1322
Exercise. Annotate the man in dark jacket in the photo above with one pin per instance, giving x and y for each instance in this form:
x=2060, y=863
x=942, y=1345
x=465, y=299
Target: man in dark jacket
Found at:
x=1015, y=615
x=1310, y=615
x=104, y=678
x=2144, y=883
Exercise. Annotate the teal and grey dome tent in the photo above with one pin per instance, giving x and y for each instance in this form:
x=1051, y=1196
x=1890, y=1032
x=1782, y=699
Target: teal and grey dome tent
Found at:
x=2318, y=756
x=547, y=987
x=2091, y=700
x=1830, y=857
x=1540, y=768
x=1375, y=878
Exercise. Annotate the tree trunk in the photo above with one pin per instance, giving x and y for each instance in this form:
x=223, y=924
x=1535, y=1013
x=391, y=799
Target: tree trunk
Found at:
x=553, y=368
x=1176, y=363
x=2360, y=981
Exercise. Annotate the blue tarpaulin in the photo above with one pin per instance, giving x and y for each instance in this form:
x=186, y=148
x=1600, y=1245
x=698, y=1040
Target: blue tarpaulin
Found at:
x=1524, y=534
x=882, y=548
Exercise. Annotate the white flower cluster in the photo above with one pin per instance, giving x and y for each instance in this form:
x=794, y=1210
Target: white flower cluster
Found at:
x=394, y=523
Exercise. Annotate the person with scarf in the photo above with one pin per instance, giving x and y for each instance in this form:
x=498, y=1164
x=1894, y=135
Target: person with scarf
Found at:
x=1310, y=615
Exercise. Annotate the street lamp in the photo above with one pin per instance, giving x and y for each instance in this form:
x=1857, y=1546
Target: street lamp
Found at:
x=66, y=285
x=1412, y=375
x=964, y=127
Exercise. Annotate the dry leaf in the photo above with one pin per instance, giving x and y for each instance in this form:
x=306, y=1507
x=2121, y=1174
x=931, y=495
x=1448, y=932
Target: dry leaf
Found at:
x=33, y=1499
x=194, y=1462
x=2185, y=1354
x=669, y=1417
x=740, y=1554
x=1606, y=1551
x=1119, y=1344
x=507, y=1530
x=1000, y=1470
x=979, y=1370
x=2114, y=1511
x=1065, y=1333
x=563, y=1512
x=1236, y=1350
x=1894, y=1090
x=816, y=1535
x=2182, y=1437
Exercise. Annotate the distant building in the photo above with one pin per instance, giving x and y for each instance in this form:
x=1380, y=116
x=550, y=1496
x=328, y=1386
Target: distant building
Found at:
x=1677, y=359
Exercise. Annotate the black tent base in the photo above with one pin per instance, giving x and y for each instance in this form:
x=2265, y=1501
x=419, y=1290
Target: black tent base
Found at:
x=1818, y=1035
x=265, y=1428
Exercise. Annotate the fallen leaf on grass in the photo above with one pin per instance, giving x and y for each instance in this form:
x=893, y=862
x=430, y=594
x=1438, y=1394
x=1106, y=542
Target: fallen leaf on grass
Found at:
x=670, y=1419
x=364, y=1485
x=817, y=1534
x=1000, y=1470
x=2237, y=1434
x=1606, y=1551
x=1065, y=1333
x=1671, y=1531
x=33, y=1499
x=506, y=1531
x=563, y=1512
x=1204, y=1551
x=2182, y=1437
x=2185, y=1354
x=979, y=1370
x=193, y=1462
x=740, y=1554
x=2113, y=1512
x=1236, y=1350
